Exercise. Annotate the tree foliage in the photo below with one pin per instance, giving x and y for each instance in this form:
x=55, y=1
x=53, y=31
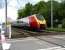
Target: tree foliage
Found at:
x=26, y=11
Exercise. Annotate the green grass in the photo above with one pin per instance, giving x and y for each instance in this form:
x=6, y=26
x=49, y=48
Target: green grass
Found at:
x=56, y=29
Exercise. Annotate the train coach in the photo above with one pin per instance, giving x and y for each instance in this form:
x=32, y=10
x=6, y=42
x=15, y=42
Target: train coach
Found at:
x=35, y=21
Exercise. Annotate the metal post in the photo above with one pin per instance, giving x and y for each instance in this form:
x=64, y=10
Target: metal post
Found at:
x=9, y=25
x=6, y=15
x=51, y=14
x=9, y=30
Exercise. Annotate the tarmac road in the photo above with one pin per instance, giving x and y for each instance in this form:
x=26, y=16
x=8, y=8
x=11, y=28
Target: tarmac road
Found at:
x=53, y=42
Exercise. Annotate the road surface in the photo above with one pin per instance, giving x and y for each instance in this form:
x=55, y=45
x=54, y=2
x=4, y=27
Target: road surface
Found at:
x=50, y=42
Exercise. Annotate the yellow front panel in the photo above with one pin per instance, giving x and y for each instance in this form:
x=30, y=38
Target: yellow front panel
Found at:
x=42, y=22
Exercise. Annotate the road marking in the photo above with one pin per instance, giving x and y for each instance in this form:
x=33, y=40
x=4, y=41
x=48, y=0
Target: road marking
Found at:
x=53, y=48
x=58, y=36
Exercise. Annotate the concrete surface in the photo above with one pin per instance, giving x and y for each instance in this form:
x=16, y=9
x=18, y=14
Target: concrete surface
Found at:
x=52, y=42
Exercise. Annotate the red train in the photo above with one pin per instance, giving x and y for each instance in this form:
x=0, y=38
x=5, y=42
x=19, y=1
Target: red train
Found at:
x=33, y=22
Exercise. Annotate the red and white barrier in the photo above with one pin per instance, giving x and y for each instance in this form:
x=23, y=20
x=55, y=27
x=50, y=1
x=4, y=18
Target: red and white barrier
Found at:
x=5, y=45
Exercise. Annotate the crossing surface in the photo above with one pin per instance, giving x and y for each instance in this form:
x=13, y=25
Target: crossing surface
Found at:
x=53, y=42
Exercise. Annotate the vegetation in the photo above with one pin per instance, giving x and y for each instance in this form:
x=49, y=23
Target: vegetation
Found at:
x=44, y=8
x=56, y=29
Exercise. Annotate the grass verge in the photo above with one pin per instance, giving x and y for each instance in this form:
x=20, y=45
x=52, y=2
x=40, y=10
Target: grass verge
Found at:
x=56, y=29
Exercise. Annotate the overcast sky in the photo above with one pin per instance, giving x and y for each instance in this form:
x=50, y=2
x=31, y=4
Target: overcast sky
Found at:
x=13, y=6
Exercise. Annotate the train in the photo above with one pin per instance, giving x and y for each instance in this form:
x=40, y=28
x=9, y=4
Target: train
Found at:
x=34, y=22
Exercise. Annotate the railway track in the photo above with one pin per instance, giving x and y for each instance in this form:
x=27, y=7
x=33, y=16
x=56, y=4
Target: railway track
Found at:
x=34, y=34
x=25, y=32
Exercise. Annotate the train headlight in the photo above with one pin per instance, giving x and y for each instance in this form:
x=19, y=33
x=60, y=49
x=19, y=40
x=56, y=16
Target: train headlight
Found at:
x=44, y=22
x=41, y=22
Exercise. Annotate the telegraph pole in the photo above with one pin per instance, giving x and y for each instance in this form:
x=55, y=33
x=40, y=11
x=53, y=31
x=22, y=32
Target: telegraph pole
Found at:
x=51, y=14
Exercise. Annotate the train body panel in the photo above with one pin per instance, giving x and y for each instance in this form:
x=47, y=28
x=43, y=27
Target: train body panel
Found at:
x=33, y=22
x=26, y=20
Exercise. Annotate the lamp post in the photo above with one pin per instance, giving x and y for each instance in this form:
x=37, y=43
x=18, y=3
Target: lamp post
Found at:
x=51, y=14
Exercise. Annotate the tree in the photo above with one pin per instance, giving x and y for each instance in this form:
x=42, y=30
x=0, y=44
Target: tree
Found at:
x=26, y=11
x=41, y=8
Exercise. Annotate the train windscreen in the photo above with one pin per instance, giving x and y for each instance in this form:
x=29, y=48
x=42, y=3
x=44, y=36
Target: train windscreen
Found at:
x=40, y=17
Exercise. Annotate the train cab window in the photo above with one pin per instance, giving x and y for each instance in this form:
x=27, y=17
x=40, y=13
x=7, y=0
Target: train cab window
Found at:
x=40, y=17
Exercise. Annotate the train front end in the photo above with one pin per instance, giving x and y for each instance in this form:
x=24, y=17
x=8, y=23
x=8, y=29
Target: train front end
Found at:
x=42, y=22
x=37, y=22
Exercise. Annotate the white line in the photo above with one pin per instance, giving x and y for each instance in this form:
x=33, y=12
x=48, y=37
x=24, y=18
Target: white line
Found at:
x=53, y=48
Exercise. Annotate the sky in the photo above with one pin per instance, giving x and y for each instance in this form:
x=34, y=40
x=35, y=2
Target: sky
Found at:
x=13, y=6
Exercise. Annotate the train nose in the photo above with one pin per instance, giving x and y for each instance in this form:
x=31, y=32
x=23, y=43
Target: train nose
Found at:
x=42, y=26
